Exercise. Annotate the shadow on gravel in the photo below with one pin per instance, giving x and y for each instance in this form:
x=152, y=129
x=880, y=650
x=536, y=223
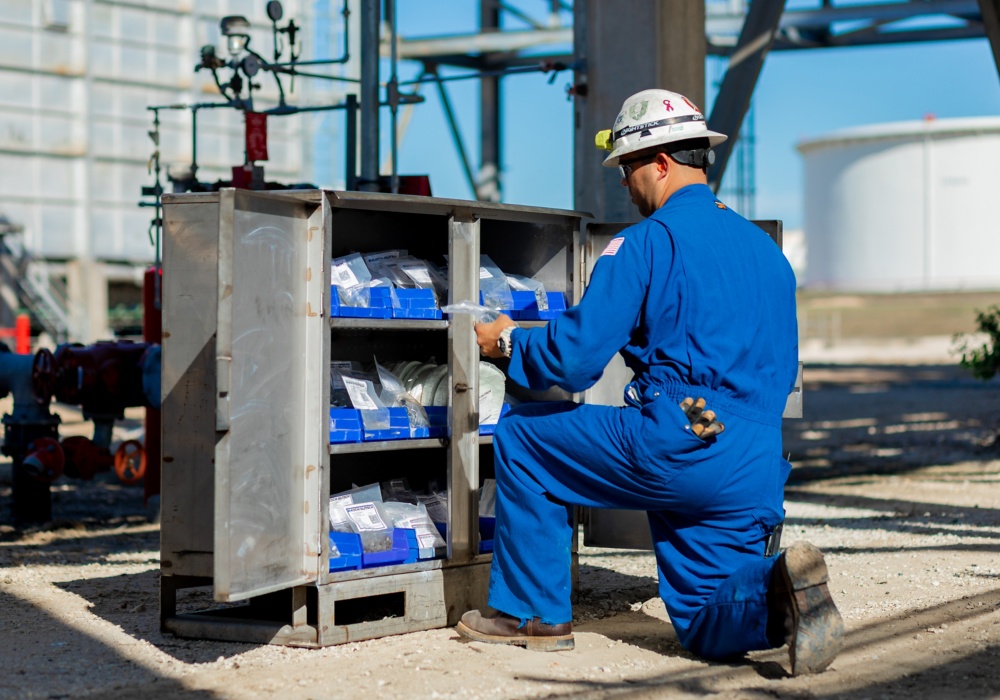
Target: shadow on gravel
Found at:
x=605, y=591
x=46, y=658
x=857, y=673
x=131, y=601
x=102, y=501
x=74, y=544
x=911, y=517
x=640, y=630
x=878, y=419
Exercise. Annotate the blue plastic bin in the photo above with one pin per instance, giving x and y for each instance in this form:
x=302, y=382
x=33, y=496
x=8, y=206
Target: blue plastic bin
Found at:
x=349, y=546
x=345, y=425
x=416, y=553
x=380, y=305
x=526, y=306
x=487, y=529
x=438, y=417
x=399, y=427
x=399, y=553
x=416, y=303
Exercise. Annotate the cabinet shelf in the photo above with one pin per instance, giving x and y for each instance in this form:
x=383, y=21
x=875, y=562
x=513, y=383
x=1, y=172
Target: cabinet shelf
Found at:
x=385, y=445
x=389, y=324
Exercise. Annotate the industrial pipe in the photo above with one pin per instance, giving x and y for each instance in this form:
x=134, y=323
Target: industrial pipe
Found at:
x=370, y=20
x=29, y=421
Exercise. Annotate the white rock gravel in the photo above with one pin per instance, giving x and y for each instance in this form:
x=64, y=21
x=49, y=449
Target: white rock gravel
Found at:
x=909, y=514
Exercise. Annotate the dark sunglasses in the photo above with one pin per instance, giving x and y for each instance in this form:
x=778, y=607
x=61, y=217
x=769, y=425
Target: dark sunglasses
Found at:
x=626, y=168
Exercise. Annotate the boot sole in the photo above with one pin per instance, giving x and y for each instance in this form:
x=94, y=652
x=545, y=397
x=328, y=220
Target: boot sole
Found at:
x=555, y=643
x=819, y=628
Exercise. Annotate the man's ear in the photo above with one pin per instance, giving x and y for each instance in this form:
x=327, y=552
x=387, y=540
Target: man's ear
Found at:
x=662, y=164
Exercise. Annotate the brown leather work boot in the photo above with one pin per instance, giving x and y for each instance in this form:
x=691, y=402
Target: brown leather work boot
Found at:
x=495, y=627
x=801, y=609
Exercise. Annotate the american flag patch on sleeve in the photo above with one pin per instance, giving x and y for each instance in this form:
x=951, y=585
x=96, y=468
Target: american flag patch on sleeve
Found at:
x=613, y=246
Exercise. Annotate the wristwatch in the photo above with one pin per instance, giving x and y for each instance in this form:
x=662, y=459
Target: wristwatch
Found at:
x=504, y=342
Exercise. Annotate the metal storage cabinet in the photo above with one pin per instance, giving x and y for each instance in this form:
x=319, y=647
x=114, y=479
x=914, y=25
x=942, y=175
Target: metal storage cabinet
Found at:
x=247, y=466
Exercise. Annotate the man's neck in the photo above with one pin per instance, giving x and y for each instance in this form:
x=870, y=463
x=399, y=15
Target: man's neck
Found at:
x=691, y=177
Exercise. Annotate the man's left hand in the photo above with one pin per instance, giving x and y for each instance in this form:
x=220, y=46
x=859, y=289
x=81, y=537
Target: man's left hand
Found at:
x=487, y=335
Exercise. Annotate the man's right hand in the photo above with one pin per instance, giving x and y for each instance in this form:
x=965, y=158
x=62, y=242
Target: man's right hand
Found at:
x=487, y=335
x=703, y=423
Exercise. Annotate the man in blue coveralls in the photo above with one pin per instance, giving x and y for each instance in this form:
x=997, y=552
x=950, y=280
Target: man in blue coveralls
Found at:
x=700, y=303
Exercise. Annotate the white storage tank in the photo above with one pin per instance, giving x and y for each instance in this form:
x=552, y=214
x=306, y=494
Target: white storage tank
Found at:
x=905, y=206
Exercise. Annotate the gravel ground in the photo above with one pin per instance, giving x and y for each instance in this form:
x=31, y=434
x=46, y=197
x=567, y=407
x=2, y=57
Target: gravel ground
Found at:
x=897, y=478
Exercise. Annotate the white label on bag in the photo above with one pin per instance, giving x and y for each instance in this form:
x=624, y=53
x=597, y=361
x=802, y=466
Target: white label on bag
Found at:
x=336, y=508
x=418, y=275
x=366, y=517
x=357, y=389
x=373, y=259
x=484, y=274
x=343, y=276
x=435, y=506
x=425, y=540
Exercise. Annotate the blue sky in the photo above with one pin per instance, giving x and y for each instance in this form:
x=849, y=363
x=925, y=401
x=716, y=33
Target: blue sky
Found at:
x=800, y=95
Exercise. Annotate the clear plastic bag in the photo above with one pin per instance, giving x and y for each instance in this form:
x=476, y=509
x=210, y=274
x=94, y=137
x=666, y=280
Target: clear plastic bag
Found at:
x=339, y=522
x=378, y=262
x=424, y=275
x=482, y=314
x=339, y=398
x=353, y=280
x=394, y=394
x=529, y=284
x=371, y=522
x=397, y=490
x=493, y=285
x=437, y=506
x=414, y=516
x=363, y=396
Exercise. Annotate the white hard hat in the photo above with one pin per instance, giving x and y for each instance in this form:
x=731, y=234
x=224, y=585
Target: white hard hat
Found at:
x=653, y=118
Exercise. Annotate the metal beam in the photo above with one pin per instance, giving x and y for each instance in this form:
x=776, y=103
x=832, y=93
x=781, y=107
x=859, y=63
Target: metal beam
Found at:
x=370, y=20
x=733, y=100
x=436, y=47
x=456, y=133
x=624, y=46
x=991, y=23
x=798, y=29
x=488, y=183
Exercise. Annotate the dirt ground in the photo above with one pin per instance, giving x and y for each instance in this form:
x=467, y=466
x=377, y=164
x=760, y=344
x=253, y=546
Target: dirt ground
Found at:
x=897, y=478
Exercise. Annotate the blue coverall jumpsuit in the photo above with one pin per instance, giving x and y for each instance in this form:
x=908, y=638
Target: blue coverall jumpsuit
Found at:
x=701, y=303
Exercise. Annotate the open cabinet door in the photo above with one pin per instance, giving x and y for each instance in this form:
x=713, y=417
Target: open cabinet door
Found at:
x=269, y=416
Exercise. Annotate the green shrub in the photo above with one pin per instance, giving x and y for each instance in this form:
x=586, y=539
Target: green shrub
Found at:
x=983, y=360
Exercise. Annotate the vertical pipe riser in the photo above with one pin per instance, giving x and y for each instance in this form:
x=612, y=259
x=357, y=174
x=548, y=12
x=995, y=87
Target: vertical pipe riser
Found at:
x=370, y=18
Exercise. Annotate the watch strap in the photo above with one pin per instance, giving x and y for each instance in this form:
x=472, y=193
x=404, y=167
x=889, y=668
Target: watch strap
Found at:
x=504, y=341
